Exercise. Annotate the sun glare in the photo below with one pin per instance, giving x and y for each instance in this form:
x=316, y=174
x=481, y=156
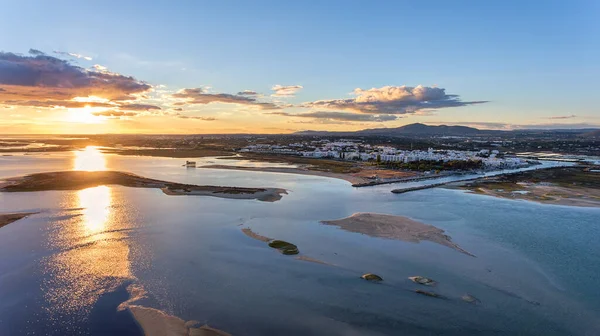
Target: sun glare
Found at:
x=89, y=159
x=86, y=115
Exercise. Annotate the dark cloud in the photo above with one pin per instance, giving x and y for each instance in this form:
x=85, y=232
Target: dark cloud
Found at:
x=342, y=116
x=198, y=96
x=563, y=117
x=178, y=109
x=49, y=81
x=247, y=93
x=394, y=100
x=56, y=103
x=36, y=52
x=139, y=107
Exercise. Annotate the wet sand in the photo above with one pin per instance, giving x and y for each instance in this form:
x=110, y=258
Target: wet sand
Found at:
x=158, y=323
x=302, y=171
x=8, y=218
x=76, y=180
x=394, y=227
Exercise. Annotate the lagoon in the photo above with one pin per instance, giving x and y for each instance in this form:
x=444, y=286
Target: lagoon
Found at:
x=67, y=269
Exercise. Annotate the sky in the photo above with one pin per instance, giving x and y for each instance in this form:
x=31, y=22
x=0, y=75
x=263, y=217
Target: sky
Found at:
x=78, y=67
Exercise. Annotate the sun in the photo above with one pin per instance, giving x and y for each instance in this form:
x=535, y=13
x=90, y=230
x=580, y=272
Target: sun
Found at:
x=85, y=115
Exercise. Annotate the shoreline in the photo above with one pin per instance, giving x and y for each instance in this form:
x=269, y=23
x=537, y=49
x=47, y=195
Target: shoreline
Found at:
x=299, y=171
x=567, y=186
x=156, y=322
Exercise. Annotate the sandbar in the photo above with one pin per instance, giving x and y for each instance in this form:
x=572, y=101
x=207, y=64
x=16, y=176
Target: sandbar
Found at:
x=8, y=218
x=394, y=227
x=76, y=180
x=155, y=322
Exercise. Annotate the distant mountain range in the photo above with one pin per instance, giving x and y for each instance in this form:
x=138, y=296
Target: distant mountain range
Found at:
x=443, y=130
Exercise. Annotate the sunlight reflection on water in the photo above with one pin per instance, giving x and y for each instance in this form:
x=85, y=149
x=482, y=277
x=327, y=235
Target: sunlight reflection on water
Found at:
x=96, y=204
x=89, y=159
x=95, y=251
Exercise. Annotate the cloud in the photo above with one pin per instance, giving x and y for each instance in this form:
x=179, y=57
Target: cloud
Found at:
x=45, y=81
x=342, y=116
x=36, y=52
x=100, y=68
x=563, y=117
x=56, y=103
x=196, y=118
x=112, y=113
x=285, y=91
x=394, y=100
x=198, y=96
x=247, y=93
x=65, y=53
x=139, y=107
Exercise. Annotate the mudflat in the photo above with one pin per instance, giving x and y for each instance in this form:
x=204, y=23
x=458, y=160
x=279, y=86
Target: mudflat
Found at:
x=572, y=186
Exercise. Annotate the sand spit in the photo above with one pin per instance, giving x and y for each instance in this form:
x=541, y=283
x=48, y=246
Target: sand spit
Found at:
x=8, y=218
x=313, y=260
x=394, y=227
x=158, y=323
x=248, y=232
x=75, y=180
x=347, y=177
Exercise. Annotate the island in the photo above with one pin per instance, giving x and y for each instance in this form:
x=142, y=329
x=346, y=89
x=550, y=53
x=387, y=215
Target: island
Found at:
x=76, y=180
x=394, y=227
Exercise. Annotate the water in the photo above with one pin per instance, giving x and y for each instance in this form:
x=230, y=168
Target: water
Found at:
x=68, y=268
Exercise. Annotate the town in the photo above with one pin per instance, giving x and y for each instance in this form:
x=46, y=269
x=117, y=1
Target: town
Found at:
x=357, y=150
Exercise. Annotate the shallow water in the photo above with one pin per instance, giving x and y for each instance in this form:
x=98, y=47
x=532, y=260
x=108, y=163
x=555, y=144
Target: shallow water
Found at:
x=65, y=270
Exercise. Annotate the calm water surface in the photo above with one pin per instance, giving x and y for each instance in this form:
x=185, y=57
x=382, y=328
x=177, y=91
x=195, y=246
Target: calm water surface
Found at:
x=67, y=269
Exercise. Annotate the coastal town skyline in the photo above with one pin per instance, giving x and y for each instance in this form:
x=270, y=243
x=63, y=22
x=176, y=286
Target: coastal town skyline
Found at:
x=271, y=67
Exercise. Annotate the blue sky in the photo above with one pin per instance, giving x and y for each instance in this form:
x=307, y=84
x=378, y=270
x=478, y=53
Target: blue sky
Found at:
x=531, y=60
